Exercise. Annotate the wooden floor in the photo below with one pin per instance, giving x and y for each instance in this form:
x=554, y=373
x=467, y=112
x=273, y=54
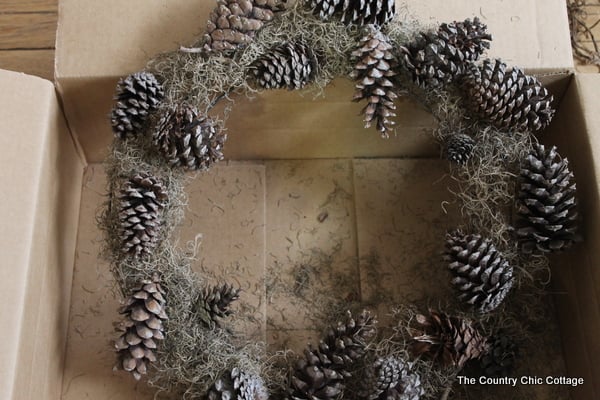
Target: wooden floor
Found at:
x=28, y=31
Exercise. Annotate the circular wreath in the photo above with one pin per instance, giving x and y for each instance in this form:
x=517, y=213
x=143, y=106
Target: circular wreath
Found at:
x=174, y=327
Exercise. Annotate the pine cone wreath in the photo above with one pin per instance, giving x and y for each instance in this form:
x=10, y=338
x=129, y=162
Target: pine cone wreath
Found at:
x=451, y=341
x=238, y=385
x=481, y=274
x=459, y=148
x=546, y=203
x=320, y=374
x=142, y=328
x=289, y=65
x=507, y=98
x=437, y=58
x=374, y=73
x=137, y=96
x=141, y=200
x=354, y=12
x=214, y=303
x=234, y=23
x=188, y=140
x=499, y=360
x=391, y=378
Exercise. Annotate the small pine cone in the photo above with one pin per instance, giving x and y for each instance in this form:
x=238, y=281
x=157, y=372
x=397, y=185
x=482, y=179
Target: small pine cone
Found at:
x=391, y=378
x=213, y=303
x=482, y=275
x=238, y=385
x=358, y=12
x=451, y=341
x=374, y=72
x=437, y=58
x=320, y=374
x=507, y=98
x=546, y=203
x=499, y=360
x=137, y=96
x=459, y=148
x=143, y=326
x=234, y=23
x=188, y=140
x=141, y=200
x=289, y=65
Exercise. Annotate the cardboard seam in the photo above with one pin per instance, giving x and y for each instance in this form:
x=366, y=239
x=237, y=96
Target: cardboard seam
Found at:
x=61, y=106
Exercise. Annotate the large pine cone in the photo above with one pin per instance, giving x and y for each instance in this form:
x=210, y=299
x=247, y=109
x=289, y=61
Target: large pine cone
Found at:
x=357, y=12
x=188, y=140
x=482, y=275
x=459, y=148
x=437, y=58
x=374, y=72
x=499, y=360
x=289, y=65
x=507, y=98
x=141, y=200
x=320, y=374
x=238, y=385
x=234, y=23
x=391, y=378
x=137, y=96
x=214, y=303
x=546, y=203
x=451, y=341
x=144, y=314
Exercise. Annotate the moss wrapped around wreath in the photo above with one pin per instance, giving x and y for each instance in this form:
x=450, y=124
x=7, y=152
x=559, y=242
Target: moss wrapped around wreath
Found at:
x=176, y=127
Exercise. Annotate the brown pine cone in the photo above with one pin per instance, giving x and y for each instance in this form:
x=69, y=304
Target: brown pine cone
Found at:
x=361, y=12
x=290, y=65
x=238, y=385
x=141, y=200
x=214, y=303
x=374, y=74
x=142, y=328
x=188, y=140
x=451, y=341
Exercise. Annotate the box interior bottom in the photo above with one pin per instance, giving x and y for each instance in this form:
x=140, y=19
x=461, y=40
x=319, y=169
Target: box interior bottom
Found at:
x=293, y=234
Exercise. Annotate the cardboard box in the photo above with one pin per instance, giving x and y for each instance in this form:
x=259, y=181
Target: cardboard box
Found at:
x=309, y=197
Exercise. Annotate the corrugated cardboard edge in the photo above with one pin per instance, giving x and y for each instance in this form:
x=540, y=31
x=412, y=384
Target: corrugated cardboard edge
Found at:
x=576, y=277
x=43, y=179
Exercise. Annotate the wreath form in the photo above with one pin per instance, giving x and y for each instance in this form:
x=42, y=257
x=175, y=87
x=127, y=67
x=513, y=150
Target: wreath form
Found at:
x=172, y=323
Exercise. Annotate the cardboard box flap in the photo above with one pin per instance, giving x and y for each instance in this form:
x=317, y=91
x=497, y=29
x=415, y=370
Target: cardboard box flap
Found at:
x=576, y=276
x=98, y=42
x=41, y=185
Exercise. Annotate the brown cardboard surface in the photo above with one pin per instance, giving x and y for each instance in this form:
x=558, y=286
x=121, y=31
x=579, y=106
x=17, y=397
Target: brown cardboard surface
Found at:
x=38, y=242
x=402, y=217
x=227, y=208
x=577, y=278
x=97, y=42
x=311, y=244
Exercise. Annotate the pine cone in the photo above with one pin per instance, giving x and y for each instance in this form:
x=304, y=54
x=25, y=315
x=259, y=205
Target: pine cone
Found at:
x=214, y=302
x=289, y=65
x=451, y=341
x=507, y=98
x=320, y=374
x=234, y=23
x=141, y=200
x=144, y=314
x=188, y=140
x=459, y=148
x=437, y=58
x=374, y=72
x=499, y=360
x=238, y=385
x=546, y=204
x=358, y=12
x=391, y=378
x=482, y=275
x=137, y=96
